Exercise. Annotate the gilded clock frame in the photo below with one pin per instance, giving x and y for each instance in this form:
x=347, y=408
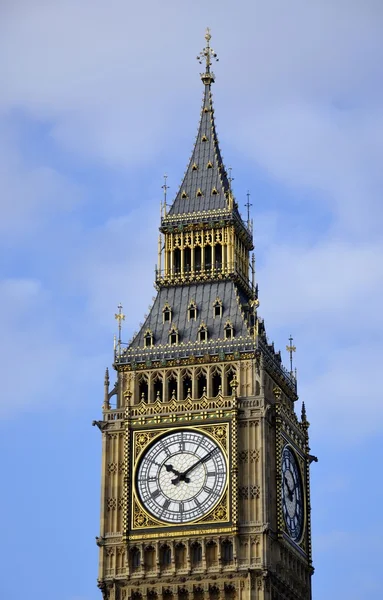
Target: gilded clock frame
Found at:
x=221, y=513
x=300, y=465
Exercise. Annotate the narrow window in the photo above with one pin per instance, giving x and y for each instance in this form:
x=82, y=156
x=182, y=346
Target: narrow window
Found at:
x=217, y=308
x=173, y=335
x=202, y=333
x=167, y=313
x=148, y=339
x=229, y=330
x=192, y=308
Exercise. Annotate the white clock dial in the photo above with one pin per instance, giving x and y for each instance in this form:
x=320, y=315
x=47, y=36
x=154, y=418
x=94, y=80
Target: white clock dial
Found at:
x=292, y=494
x=181, y=476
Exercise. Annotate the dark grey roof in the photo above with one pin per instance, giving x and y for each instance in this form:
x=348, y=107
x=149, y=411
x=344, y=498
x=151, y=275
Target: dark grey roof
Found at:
x=204, y=295
x=203, y=178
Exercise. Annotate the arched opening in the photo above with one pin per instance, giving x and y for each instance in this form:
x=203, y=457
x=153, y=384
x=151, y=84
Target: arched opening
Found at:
x=216, y=384
x=157, y=389
x=196, y=554
x=230, y=592
x=167, y=595
x=202, y=385
x=186, y=386
x=227, y=551
x=172, y=387
x=218, y=257
x=213, y=592
x=180, y=556
x=177, y=260
x=187, y=260
x=143, y=389
x=207, y=258
x=197, y=258
x=165, y=556
x=149, y=558
x=134, y=559
x=183, y=594
x=198, y=593
x=211, y=554
x=257, y=388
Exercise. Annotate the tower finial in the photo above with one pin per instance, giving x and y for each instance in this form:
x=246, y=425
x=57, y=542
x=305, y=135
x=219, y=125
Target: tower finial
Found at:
x=119, y=317
x=207, y=54
x=291, y=349
x=248, y=205
x=165, y=187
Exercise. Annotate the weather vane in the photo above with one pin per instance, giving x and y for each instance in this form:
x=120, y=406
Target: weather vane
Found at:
x=206, y=55
x=291, y=349
x=119, y=317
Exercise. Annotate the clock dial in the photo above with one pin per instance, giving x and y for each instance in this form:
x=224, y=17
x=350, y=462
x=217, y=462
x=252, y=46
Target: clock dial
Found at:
x=181, y=476
x=292, y=494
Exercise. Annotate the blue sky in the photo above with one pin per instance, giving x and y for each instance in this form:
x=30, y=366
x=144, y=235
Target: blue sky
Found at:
x=99, y=99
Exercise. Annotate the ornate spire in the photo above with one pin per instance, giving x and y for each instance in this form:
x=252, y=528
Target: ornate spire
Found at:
x=206, y=55
x=205, y=186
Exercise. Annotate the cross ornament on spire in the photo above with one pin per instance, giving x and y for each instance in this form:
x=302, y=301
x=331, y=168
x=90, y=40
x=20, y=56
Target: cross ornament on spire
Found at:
x=291, y=349
x=119, y=317
x=206, y=55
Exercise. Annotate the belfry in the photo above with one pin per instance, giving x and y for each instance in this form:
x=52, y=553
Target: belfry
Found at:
x=205, y=465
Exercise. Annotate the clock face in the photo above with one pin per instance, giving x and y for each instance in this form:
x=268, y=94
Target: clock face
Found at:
x=181, y=476
x=292, y=494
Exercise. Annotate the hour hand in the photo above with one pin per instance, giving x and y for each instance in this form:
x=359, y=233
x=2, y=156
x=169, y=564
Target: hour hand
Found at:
x=290, y=491
x=171, y=469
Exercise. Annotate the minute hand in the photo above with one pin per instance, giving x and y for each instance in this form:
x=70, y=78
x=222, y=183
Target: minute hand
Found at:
x=200, y=461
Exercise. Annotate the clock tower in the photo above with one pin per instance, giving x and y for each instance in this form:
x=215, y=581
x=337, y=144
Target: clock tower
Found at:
x=205, y=465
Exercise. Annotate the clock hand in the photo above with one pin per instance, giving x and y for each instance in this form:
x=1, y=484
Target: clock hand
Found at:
x=171, y=469
x=290, y=490
x=182, y=476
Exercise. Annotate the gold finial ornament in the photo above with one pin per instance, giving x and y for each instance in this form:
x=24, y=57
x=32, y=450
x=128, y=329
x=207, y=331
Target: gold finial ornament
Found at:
x=291, y=349
x=119, y=317
x=206, y=55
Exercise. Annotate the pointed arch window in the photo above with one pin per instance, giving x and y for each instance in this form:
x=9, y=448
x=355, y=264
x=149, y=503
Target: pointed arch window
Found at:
x=202, y=332
x=229, y=330
x=217, y=308
x=173, y=335
x=214, y=191
x=192, y=310
x=194, y=167
x=148, y=339
x=184, y=194
x=166, y=313
x=209, y=165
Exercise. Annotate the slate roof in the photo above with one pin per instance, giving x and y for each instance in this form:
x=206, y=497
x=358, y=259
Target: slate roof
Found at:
x=198, y=175
x=204, y=295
